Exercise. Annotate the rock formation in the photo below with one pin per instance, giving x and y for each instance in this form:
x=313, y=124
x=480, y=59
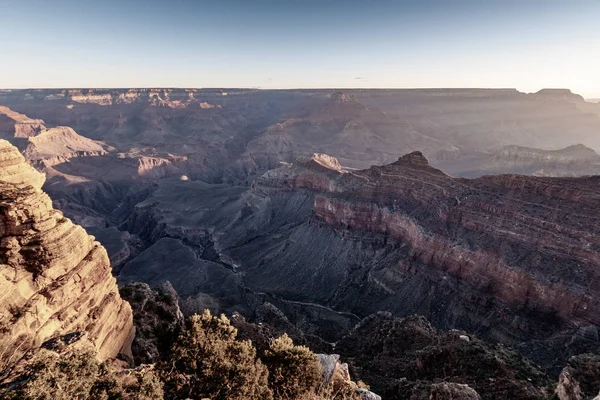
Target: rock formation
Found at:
x=575, y=160
x=54, y=278
x=248, y=131
x=207, y=135
x=17, y=127
x=157, y=317
x=499, y=236
x=580, y=379
x=59, y=144
x=328, y=242
x=513, y=258
x=406, y=358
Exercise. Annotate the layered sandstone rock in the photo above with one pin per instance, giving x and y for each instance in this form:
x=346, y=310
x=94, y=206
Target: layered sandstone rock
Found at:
x=17, y=127
x=54, y=277
x=575, y=160
x=56, y=145
x=501, y=236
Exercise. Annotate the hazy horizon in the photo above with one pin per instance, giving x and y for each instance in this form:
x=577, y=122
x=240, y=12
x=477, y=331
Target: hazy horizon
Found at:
x=301, y=44
x=349, y=88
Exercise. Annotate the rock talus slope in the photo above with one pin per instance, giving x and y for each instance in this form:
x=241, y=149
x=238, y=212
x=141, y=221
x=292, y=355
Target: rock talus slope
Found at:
x=54, y=277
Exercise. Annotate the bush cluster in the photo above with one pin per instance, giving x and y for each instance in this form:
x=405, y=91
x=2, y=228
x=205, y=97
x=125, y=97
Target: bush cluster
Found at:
x=294, y=371
x=77, y=375
x=207, y=361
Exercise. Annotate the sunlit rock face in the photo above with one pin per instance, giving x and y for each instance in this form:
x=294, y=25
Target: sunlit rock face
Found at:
x=54, y=277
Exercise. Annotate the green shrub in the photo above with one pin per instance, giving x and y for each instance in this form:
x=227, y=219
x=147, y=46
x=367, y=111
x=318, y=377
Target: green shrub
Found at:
x=78, y=375
x=341, y=389
x=294, y=371
x=50, y=376
x=207, y=361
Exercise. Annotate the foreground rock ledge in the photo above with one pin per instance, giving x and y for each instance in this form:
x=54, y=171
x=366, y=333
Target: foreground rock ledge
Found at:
x=54, y=277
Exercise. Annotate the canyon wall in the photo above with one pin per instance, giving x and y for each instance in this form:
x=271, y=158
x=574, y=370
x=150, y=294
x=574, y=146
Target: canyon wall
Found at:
x=54, y=278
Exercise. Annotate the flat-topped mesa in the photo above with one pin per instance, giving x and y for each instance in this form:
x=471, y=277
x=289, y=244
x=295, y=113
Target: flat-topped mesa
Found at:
x=18, y=127
x=576, y=152
x=560, y=94
x=54, y=278
x=55, y=145
x=315, y=172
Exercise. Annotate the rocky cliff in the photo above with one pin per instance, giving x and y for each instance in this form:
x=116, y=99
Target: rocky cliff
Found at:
x=54, y=277
x=513, y=258
x=17, y=127
x=498, y=241
x=58, y=145
x=575, y=160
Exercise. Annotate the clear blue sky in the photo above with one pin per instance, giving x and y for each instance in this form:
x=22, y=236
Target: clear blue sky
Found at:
x=527, y=44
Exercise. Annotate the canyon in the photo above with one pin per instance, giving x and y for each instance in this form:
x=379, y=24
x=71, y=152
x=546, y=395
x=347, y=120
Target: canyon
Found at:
x=498, y=255
x=475, y=208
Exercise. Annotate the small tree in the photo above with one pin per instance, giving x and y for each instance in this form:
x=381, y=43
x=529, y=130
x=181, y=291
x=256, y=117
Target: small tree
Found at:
x=294, y=371
x=207, y=361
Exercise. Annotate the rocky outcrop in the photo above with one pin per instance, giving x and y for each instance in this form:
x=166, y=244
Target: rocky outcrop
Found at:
x=55, y=145
x=17, y=127
x=498, y=235
x=572, y=153
x=406, y=358
x=157, y=317
x=580, y=379
x=54, y=277
x=173, y=98
x=45, y=147
x=575, y=160
x=332, y=368
x=559, y=94
x=452, y=391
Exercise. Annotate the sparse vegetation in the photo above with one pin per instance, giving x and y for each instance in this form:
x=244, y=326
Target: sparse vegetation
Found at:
x=295, y=374
x=78, y=375
x=206, y=361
